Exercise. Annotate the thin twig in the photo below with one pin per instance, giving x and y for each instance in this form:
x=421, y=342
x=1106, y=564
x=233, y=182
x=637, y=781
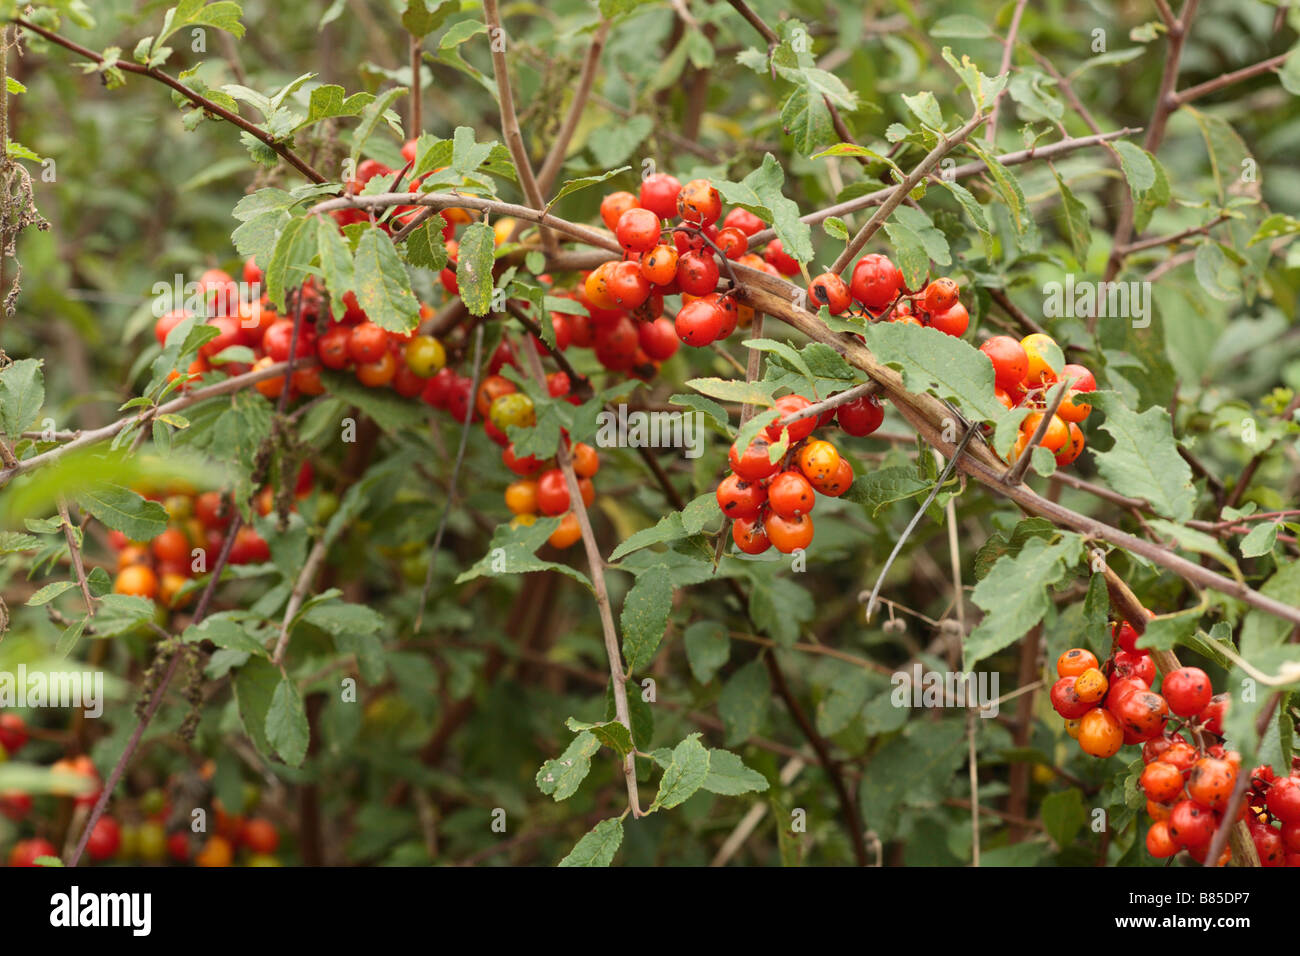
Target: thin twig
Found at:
x=115, y=775
x=69, y=534
x=198, y=99
x=934, y=493
x=304, y=583
x=555, y=158
x=596, y=566
x=455, y=476
x=1016, y=473
x=900, y=191
x=991, y=134
x=96, y=435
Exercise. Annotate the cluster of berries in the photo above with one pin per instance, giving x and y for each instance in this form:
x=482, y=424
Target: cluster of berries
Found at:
x=137, y=829
x=769, y=502
x=1022, y=377
x=878, y=287
x=161, y=568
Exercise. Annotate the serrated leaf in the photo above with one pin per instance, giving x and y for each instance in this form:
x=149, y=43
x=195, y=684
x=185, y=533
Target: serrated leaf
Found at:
x=1078, y=228
x=22, y=393
x=645, y=617
x=286, y=723
x=1144, y=461
x=425, y=248
x=123, y=510
x=474, y=267
x=610, y=733
x=685, y=774
x=560, y=778
x=48, y=593
x=597, y=848
x=736, y=390
x=743, y=702
x=574, y=185
x=947, y=367
x=382, y=285
x=729, y=776
x=1014, y=595
x=707, y=649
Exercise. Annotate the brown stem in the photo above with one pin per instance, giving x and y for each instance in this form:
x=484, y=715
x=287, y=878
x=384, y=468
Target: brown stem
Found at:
x=1008, y=48
x=555, y=158
x=1227, y=79
x=899, y=192
x=596, y=566
x=77, y=564
x=207, y=105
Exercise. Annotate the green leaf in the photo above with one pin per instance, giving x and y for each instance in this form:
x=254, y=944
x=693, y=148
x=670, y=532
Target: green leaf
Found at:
x=1144, y=460
x=560, y=778
x=371, y=117
x=729, y=776
x=341, y=617
x=328, y=101
x=761, y=193
x=118, y=614
x=389, y=410
x=1014, y=594
x=645, y=617
x=982, y=89
x=913, y=769
x=618, y=139
x=1215, y=274
x=925, y=108
x=123, y=510
x=736, y=390
x=48, y=593
x=743, y=702
x=511, y=551
x=943, y=365
x=295, y=247
x=225, y=630
x=597, y=848
x=1260, y=540
x=22, y=393
x=474, y=267
x=255, y=686
x=974, y=210
x=425, y=248
x=286, y=724
x=910, y=254
x=1078, y=228
x=336, y=264
x=685, y=774
x=611, y=733
x=1279, y=224
x=382, y=285
x=707, y=649
x=574, y=185
x=1064, y=815
x=422, y=17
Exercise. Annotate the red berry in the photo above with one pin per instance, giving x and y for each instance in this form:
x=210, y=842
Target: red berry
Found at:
x=1010, y=361
x=1188, y=691
x=1283, y=800
x=862, y=416
x=876, y=281
x=739, y=498
x=638, y=230
x=659, y=194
